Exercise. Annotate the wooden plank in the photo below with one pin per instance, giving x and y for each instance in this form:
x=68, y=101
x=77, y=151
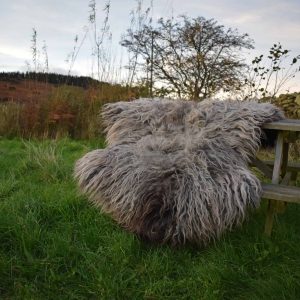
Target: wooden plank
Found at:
x=285, y=124
x=291, y=166
x=279, y=151
x=285, y=153
x=289, y=130
x=281, y=192
x=275, y=180
x=264, y=168
x=270, y=217
x=286, y=179
x=280, y=205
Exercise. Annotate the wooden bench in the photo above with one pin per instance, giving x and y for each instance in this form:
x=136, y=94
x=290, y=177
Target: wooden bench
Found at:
x=282, y=172
x=290, y=194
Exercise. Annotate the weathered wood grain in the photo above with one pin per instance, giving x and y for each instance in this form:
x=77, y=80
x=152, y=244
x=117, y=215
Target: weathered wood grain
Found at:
x=281, y=192
x=285, y=124
x=291, y=166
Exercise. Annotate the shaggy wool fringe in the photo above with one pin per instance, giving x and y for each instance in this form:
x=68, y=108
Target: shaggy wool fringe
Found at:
x=177, y=171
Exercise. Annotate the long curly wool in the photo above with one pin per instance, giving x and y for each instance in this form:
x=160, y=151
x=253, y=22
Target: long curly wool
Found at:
x=176, y=171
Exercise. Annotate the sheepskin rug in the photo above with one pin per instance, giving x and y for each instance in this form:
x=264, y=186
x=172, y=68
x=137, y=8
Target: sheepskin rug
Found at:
x=176, y=171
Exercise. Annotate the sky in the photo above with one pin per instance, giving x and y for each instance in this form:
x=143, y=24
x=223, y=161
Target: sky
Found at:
x=57, y=22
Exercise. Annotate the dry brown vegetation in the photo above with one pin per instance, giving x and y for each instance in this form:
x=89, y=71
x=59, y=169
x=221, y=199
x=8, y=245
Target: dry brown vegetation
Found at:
x=34, y=109
x=42, y=110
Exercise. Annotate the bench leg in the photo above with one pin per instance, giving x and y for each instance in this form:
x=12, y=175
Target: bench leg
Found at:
x=270, y=217
x=281, y=205
x=280, y=152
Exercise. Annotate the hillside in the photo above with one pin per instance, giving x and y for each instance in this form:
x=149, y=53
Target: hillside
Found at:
x=30, y=86
x=24, y=91
x=53, y=78
x=53, y=105
x=33, y=108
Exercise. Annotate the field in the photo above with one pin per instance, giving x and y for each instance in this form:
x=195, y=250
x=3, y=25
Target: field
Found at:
x=55, y=245
x=33, y=109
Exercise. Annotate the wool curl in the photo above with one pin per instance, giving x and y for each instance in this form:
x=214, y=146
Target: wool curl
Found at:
x=176, y=171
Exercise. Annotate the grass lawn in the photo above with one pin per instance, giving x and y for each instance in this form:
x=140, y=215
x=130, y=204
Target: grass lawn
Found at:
x=54, y=245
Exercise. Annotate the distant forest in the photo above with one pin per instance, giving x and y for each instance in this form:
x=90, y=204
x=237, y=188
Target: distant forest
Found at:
x=53, y=78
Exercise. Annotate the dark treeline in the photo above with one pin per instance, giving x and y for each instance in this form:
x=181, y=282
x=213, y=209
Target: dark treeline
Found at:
x=53, y=78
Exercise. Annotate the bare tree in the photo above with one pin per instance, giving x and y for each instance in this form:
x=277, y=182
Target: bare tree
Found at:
x=34, y=49
x=191, y=58
x=46, y=59
x=139, y=17
x=99, y=35
x=36, y=65
x=72, y=56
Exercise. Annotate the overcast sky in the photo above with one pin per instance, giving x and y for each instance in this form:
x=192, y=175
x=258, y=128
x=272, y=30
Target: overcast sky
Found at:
x=57, y=22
